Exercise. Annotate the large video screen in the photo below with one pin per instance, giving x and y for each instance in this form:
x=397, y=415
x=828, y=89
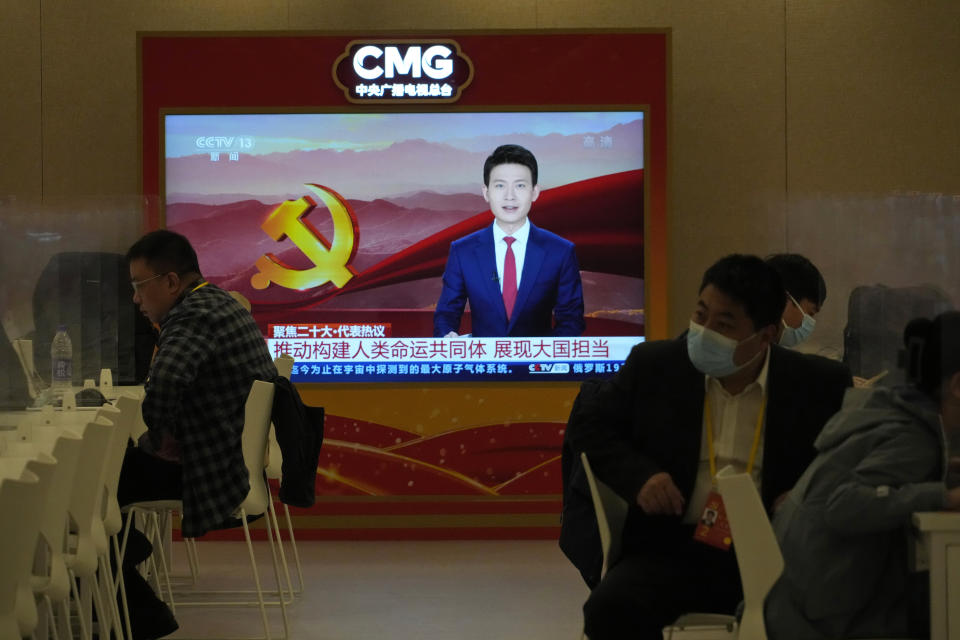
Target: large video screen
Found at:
x=338, y=227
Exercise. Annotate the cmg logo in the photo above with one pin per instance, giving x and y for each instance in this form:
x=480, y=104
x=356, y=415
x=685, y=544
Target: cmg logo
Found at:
x=402, y=71
x=436, y=62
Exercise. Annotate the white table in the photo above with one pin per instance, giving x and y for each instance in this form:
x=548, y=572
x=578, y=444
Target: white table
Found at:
x=9, y=420
x=938, y=550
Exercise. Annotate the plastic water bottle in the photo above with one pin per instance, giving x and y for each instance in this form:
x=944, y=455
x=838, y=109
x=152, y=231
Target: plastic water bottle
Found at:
x=61, y=360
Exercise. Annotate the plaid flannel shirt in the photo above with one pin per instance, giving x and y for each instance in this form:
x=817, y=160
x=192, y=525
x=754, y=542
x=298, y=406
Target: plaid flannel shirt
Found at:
x=209, y=353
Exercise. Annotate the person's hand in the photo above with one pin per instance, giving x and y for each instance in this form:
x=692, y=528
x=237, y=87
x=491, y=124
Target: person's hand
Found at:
x=953, y=499
x=659, y=496
x=866, y=383
x=452, y=334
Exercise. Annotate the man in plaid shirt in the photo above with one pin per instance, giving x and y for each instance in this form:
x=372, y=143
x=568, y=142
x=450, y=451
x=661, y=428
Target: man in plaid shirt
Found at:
x=209, y=352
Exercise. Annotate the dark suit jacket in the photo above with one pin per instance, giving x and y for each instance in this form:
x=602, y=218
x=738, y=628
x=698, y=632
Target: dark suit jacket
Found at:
x=550, y=288
x=649, y=418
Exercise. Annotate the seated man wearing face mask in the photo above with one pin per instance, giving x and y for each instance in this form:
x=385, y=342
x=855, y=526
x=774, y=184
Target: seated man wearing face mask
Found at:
x=679, y=410
x=806, y=292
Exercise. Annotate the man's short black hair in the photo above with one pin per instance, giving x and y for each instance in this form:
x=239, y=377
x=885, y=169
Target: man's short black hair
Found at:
x=510, y=154
x=801, y=278
x=165, y=251
x=751, y=282
x=933, y=351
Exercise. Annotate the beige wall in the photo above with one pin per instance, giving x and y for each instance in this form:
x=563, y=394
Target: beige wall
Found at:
x=792, y=121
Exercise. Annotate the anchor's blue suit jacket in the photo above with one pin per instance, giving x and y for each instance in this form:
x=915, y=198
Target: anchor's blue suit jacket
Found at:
x=549, y=301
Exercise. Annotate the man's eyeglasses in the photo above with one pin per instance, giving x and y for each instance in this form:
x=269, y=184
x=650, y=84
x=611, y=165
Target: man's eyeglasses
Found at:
x=136, y=284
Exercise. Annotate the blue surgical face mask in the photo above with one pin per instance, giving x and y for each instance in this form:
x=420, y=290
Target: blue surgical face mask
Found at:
x=792, y=336
x=712, y=353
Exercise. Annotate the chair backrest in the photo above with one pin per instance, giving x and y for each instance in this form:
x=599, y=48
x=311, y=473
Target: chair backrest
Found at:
x=611, y=512
x=122, y=417
x=758, y=553
x=21, y=501
x=284, y=365
x=85, y=498
x=256, y=425
x=133, y=403
x=61, y=465
x=66, y=450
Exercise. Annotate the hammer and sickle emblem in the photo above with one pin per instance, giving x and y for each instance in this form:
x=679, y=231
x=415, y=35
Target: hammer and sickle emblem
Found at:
x=331, y=261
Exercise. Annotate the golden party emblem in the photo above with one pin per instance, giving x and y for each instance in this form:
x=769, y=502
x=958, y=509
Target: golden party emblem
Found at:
x=331, y=260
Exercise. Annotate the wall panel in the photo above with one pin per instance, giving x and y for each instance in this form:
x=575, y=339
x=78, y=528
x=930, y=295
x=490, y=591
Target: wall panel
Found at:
x=873, y=142
x=20, y=102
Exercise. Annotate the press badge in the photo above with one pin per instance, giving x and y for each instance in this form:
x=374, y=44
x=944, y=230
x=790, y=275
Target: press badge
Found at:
x=714, y=528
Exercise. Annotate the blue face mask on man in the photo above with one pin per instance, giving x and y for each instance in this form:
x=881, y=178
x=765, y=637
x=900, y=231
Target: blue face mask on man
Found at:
x=792, y=336
x=712, y=353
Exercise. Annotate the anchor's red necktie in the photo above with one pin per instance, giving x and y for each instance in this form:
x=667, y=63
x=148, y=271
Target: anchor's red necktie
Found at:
x=509, y=277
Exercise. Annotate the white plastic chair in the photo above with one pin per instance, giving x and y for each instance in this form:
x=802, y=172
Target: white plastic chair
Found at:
x=21, y=493
x=611, y=512
x=54, y=587
x=257, y=412
x=758, y=553
x=44, y=466
x=51, y=453
x=122, y=417
x=89, y=542
x=256, y=428
x=156, y=513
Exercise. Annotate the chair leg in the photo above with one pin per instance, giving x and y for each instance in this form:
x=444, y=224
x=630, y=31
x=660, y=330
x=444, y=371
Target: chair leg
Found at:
x=193, y=558
x=293, y=545
x=274, y=524
x=66, y=629
x=122, y=588
x=90, y=588
x=276, y=567
x=85, y=632
x=51, y=618
x=256, y=574
x=107, y=589
x=161, y=568
x=156, y=572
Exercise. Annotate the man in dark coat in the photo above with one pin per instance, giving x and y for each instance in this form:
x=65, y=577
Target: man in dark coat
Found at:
x=677, y=411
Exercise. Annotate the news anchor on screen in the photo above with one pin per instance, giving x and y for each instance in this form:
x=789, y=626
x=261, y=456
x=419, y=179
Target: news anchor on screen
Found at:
x=519, y=279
